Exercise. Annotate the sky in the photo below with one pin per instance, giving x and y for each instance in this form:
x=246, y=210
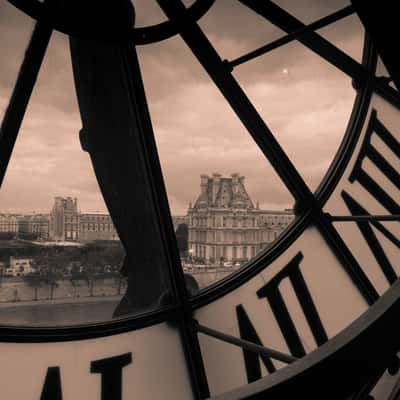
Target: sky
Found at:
x=305, y=102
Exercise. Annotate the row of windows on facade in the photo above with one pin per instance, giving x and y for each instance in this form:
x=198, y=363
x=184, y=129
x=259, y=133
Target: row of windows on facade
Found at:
x=8, y=225
x=239, y=221
x=84, y=236
x=233, y=236
x=82, y=231
x=227, y=253
x=24, y=224
x=68, y=223
x=216, y=231
x=64, y=222
x=103, y=218
x=90, y=227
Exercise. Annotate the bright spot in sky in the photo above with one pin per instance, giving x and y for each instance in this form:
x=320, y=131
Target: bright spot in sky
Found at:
x=285, y=71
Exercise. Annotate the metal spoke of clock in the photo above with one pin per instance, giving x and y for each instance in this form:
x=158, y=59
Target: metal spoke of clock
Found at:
x=373, y=220
x=381, y=87
x=245, y=344
x=191, y=344
x=364, y=392
x=184, y=322
x=395, y=393
x=363, y=218
x=384, y=35
x=212, y=63
x=22, y=92
x=346, y=258
x=240, y=103
x=285, y=21
x=325, y=49
x=325, y=21
x=238, y=100
x=128, y=170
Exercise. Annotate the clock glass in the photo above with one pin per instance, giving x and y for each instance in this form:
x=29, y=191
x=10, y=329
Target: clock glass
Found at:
x=211, y=144
x=20, y=36
x=208, y=190
x=63, y=261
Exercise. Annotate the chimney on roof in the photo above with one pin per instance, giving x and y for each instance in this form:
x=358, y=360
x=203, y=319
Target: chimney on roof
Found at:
x=203, y=183
x=235, y=182
x=216, y=182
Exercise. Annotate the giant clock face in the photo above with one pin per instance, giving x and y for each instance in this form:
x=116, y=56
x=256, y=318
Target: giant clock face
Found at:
x=318, y=304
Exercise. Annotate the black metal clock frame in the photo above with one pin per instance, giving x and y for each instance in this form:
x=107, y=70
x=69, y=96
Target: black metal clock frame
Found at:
x=309, y=206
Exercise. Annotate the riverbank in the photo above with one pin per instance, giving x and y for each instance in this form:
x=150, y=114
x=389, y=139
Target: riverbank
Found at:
x=15, y=290
x=72, y=303
x=66, y=301
x=59, y=312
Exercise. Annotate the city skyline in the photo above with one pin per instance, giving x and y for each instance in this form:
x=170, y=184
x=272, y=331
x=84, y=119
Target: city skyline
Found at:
x=88, y=211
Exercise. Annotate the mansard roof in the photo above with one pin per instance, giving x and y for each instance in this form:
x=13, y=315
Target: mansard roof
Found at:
x=222, y=192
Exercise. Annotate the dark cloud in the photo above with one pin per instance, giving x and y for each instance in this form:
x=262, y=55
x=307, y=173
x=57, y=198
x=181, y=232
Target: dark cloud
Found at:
x=305, y=102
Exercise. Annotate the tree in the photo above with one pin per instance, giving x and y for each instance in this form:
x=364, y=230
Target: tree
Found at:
x=51, y=279
x=28, y=235
x=7, y=235
x=34, y=280
x=50, y=274
x=182, y=235
x=119, y=280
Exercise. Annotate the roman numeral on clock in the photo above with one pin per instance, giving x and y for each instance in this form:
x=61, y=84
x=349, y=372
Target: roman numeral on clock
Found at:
x=367, y=150
x=371, y=239
x=251, y=359
x=272, y=293
x=385, y=199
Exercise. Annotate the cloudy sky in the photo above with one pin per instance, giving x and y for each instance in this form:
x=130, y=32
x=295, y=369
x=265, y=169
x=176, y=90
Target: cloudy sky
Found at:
x=305, y=102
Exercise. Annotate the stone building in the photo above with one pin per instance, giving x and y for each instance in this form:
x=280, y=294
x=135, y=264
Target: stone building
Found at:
x=37, y=224
x=96, y=226
x=8, y=223
x=67, y=223
x=225, y=225
x=64, y=219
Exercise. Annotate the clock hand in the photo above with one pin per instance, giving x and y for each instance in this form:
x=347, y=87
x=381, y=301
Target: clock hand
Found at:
x=115, y=123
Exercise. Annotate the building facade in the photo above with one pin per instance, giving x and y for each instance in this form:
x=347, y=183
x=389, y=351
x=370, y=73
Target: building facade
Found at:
x=96, y=226
x=8, y=223
x=68, y=224
x=64, y=219
x=37, y=225
x=224, y=224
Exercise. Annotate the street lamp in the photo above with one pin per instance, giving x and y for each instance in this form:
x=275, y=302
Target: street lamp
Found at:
x=191, y=257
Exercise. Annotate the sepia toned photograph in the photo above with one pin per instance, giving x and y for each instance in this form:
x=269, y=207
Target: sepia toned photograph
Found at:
x=199, y=199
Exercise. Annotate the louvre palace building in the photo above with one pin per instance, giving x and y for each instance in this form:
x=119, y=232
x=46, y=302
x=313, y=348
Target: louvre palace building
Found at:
x=67, y=223
x=225, y=225
x=64, y=223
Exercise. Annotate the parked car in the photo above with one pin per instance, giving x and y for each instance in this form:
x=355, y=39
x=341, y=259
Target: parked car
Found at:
x=227, y=264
